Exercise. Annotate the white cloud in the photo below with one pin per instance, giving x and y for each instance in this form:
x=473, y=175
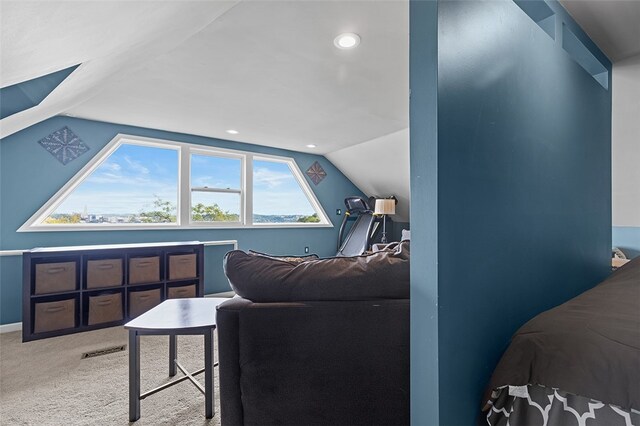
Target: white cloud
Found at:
x=273, y=179
x=110, y=166
x=136, y=166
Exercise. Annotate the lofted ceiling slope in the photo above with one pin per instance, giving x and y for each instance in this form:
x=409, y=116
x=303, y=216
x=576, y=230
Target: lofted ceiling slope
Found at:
x=270, y=71
x=267, y=69
x=614, y=25
x=380, y=168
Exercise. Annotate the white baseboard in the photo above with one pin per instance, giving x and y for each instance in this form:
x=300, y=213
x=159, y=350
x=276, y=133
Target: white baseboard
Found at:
x=8, y=328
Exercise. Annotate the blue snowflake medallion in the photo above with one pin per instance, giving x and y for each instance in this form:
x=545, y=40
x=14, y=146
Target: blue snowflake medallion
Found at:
x=64, y=145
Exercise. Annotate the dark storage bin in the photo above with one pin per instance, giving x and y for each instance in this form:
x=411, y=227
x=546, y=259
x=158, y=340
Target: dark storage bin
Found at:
x=141, y=301
x=58, y=315
x=55, y=277
x=105, y=308
x=182, y=266
x=181, y=292
x=144, y=270
x=104, y=273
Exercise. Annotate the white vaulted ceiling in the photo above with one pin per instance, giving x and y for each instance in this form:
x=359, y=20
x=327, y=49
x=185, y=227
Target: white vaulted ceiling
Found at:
x=108, y=38
x=268, y=69
x=614, y=25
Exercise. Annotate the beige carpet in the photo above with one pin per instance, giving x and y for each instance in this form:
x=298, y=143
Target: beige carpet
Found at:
x=47, y=383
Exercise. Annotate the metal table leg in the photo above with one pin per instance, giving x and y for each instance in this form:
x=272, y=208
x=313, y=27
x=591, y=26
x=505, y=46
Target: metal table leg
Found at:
x=134, y=375
x=173, y=354
x=208, y=374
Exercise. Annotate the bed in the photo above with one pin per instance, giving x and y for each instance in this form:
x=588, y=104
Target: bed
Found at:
x=576, y=364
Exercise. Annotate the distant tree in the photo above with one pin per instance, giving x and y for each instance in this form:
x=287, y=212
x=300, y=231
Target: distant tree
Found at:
x=164, y=212
x=63, y=218
x=212, y=213
x=309, y=219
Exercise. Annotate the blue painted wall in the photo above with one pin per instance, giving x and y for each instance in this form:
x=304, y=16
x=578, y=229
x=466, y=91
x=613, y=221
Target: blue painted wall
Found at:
x=523, y=196
x=423, y=50
x=29, y=176
x=27, y=94
x=627, y=238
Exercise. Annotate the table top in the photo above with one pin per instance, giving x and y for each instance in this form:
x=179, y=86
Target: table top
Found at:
x=179, y=315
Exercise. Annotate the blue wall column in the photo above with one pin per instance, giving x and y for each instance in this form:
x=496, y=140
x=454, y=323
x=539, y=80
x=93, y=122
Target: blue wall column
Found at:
x=511, y=188
x=424, y=208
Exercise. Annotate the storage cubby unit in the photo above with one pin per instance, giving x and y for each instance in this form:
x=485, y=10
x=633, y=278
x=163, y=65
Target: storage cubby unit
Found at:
x=72, y=289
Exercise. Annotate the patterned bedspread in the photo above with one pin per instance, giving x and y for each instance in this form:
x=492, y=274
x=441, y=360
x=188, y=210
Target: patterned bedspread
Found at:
x=587, y=346
x=535, y=405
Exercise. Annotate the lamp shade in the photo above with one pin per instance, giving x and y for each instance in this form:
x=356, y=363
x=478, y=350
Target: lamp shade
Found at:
x=385, y=206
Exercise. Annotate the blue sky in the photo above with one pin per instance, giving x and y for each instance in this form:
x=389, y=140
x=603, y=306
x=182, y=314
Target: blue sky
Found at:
x=276, y=191
x=133, y=176
x=127, y=182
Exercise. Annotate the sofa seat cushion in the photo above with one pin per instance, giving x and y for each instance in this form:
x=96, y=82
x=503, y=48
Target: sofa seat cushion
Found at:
x=380, y=275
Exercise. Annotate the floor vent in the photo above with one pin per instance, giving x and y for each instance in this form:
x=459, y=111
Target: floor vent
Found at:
x=105, y=351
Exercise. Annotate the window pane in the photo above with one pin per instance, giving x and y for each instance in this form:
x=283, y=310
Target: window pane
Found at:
x=277, y=196
x=220, y=173
x=215, y=207
x=135, y=184
x=215, y=172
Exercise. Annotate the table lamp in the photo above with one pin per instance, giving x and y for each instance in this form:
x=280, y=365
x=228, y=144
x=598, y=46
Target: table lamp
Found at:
x=385, y=206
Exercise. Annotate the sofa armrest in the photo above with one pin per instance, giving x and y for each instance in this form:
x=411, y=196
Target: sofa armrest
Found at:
x=227, y=319
x=338, y=362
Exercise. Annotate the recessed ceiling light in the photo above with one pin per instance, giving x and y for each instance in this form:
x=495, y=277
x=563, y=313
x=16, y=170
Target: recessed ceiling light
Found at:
x=311, y=145
x=232, y=132
x=347, y=41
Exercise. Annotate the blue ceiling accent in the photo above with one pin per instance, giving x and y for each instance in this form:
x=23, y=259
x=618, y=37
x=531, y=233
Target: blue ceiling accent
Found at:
x=30, y=93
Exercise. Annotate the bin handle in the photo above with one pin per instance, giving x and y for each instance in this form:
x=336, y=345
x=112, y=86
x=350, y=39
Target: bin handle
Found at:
x=104, y=302
x=144, y=296
x=56, y=269
x=53, y=309
x=145, y=263
x=106, y=266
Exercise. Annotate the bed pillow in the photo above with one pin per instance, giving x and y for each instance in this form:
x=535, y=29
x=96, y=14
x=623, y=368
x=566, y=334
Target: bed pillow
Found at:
x=380, y=275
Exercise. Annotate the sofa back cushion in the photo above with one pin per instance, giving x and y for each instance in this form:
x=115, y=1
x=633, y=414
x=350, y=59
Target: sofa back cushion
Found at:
x=380, y=275
x=290, y=259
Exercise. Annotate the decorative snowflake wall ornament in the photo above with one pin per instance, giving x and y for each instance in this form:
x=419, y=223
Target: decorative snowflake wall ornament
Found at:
x=65, y=145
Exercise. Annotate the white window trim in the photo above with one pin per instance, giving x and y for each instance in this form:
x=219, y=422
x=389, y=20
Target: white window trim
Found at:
x=298, y=176
x=183, y=215
x=186, y=218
